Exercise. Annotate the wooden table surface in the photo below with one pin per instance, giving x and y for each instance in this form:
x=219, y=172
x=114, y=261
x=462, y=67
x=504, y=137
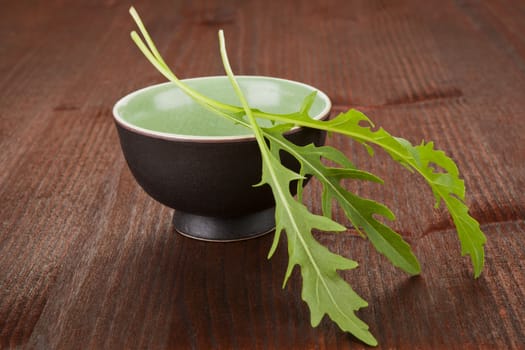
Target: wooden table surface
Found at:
x=88, y=260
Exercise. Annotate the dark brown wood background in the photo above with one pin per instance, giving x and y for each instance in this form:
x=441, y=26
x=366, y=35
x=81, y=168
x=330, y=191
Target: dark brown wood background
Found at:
x=87, y=260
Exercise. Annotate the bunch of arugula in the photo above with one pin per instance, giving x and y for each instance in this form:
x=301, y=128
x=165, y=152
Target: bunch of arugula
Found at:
x=323, y=289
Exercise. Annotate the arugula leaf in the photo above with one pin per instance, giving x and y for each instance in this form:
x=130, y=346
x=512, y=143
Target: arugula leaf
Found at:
x=444, y=181
x=324, y=290
x=359, y=211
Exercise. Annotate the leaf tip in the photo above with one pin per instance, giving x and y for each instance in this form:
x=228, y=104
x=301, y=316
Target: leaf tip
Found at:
x=373, y=342
x=275, y=242
x=415, y=271
x=478, y=268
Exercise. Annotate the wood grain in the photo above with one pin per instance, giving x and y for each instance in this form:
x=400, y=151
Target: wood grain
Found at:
x=88, y=260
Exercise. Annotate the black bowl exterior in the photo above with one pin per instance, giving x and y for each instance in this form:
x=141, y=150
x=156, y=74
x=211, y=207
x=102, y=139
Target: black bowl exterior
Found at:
x=205, y=177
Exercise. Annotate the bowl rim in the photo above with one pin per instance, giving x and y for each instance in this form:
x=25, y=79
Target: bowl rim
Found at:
x=202, y=138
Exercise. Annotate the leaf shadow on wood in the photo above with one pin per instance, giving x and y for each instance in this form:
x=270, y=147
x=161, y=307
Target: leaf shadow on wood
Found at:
x=437, y=313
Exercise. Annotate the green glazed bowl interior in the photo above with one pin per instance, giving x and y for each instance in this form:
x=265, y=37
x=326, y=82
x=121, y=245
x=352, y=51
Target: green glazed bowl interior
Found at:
x=165, y=111
x=203, y=165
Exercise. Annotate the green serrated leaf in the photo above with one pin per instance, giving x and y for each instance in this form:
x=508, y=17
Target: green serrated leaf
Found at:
x=361, y=212
x=443, y=180
x=324, y=290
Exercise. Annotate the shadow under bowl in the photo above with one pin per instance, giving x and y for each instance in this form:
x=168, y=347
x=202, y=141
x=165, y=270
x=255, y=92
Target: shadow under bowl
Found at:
x=202, y=165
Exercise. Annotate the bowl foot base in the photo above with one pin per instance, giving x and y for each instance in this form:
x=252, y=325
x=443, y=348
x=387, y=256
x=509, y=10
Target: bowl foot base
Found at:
x=214, y=229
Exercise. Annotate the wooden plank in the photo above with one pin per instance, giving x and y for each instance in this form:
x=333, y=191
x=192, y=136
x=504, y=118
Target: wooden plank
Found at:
x=88, y=260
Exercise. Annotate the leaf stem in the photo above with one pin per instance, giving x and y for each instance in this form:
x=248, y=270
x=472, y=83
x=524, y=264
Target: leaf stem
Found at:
x=279, y=191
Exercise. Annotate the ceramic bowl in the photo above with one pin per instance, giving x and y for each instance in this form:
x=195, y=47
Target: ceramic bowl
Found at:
x=202, y=165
